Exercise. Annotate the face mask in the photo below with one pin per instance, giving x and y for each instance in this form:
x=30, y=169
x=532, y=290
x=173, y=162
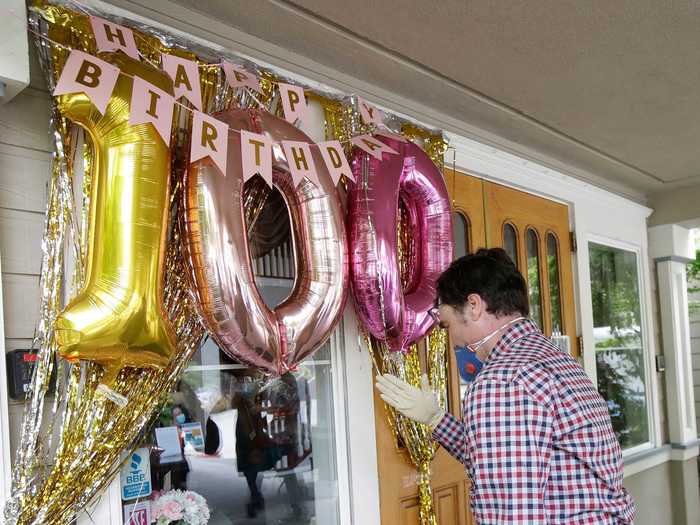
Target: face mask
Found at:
x=468, y=364
x=475, y=346
x=180, y=419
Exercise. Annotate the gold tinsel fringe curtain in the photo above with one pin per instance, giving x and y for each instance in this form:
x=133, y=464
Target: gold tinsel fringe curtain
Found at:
x=416, y=437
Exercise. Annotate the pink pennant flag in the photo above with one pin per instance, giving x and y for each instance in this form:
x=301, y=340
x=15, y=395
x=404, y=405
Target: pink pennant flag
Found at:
x=293, y=102
x=209, y=139
x=336, y=162
x=152, y=104
x=185, y=75
x=391, y=135
x=256, y=155
x=87, y=74
x=236, y=76
x=372, y=146
x=113, y=37
x=370, y=114
x=301, y=163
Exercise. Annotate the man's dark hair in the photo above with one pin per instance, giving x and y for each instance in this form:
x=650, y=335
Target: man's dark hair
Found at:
x=489, y=273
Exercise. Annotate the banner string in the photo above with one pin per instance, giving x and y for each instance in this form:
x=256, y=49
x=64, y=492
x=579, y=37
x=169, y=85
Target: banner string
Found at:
x=374, y=127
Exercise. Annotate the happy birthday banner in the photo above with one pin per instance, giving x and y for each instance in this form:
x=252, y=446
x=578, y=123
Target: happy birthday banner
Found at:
x=96, y=78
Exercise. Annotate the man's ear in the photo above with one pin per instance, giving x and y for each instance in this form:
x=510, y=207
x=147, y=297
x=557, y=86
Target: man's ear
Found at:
x=475, y=306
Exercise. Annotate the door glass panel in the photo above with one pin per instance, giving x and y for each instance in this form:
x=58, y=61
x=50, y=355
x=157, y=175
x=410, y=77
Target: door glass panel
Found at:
x=619, y=346
x=533, y=276
x=460, y=234
x=258, y=451
x=554, y=282
x=510, y=242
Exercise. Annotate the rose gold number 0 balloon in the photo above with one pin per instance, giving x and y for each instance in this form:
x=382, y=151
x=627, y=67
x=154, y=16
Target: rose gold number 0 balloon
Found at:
x=217, y=245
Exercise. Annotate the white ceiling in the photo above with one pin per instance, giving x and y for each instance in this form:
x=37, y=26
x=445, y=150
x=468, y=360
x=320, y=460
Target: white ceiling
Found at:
x=610, y=88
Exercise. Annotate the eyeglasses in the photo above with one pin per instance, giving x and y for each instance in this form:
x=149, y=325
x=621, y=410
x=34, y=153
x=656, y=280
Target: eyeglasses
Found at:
x=435, y=312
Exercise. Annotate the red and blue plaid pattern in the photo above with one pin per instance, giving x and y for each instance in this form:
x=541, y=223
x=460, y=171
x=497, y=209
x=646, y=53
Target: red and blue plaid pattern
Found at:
x=536, y=439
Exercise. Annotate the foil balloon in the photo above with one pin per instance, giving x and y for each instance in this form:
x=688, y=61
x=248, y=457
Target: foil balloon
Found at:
x=117, y=319
x=273, y=340
x=395, y=313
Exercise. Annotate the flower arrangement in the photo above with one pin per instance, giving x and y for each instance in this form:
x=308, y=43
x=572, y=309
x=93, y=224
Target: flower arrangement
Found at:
x=180, y=507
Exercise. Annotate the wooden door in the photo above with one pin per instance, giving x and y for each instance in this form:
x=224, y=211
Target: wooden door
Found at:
x=397, y=476
x=535, y=232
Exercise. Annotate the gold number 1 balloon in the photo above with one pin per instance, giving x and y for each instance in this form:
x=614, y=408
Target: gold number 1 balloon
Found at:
x=117, y=319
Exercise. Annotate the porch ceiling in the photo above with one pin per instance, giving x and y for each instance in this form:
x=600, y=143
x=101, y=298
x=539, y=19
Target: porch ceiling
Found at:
x=611, y=88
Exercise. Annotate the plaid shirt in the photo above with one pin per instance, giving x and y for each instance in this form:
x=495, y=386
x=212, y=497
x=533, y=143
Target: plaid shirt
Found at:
x=536, y=439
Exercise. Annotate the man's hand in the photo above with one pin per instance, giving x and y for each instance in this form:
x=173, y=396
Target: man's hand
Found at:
x=419, y=404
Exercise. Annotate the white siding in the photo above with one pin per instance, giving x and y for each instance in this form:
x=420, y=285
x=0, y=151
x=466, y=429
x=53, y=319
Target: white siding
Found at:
x=25, y=157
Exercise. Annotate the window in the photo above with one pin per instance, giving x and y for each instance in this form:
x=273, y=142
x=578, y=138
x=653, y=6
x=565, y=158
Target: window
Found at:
x=257, y=451
x=554, y=286
x=251, y=452
x=534, y=291
x=619, y=346
x=510, y=242
x=460, y=234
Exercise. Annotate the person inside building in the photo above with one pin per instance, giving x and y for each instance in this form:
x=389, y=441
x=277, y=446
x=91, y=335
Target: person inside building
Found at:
x=255, y=451
x=535, y=437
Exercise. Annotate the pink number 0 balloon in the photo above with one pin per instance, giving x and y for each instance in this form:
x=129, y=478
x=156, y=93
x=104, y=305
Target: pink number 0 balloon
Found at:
x=395, y=316
x=217, y=245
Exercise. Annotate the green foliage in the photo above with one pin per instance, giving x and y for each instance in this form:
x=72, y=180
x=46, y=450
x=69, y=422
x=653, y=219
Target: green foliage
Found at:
x=554, y=294
x=693, y=269
x=534, y=289
x=615, y=290
x=693, y=274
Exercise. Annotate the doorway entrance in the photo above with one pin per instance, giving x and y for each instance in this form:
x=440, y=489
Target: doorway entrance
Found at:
x=535, y=232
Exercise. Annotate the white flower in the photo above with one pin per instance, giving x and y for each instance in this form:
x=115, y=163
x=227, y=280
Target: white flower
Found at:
x=193, y=508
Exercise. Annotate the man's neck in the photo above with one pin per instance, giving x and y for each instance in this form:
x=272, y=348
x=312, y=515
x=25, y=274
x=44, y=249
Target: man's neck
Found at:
x=500, y=323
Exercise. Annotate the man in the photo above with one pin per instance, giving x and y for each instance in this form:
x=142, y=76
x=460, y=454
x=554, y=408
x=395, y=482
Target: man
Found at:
x=536, y=437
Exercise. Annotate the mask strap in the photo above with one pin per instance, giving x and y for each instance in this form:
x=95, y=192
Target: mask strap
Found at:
x=479, y=343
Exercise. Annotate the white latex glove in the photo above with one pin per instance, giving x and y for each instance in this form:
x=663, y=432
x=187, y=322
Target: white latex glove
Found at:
x=419, y=404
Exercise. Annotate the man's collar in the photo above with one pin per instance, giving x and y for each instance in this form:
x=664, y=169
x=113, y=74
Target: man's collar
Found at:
x=514, y=332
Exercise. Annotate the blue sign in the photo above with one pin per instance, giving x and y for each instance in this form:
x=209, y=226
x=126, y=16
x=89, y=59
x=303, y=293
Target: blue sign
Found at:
x=136, y=475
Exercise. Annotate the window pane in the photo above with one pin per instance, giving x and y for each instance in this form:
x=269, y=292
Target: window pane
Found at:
x=510, y=242
x=257, y=452
x=554, y=288
x=533, y=277
x=460, y=234
x=251, y=452
x=618, y=341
